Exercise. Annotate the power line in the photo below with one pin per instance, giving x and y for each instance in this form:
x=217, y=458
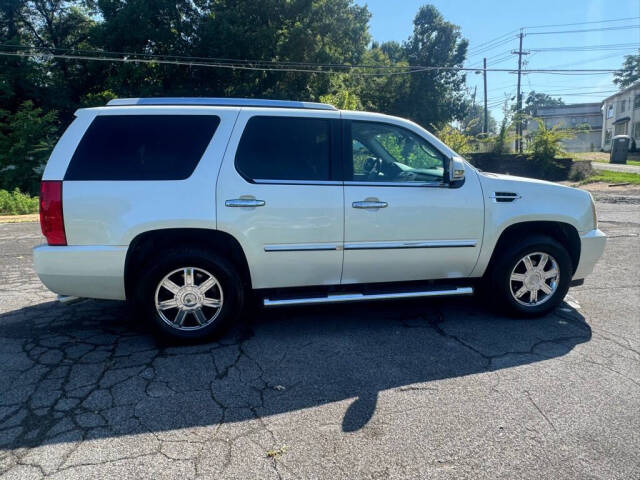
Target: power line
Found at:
x=583, y=23
x=584, y=48
x=479, y=51
x=319, y=68
x=556, y=32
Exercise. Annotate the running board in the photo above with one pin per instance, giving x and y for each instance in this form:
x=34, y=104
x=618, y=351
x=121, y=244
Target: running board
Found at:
x=363, y=297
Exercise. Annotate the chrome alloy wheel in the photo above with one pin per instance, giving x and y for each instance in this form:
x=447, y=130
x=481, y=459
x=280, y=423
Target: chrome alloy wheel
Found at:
x=534, y=279
x=189, y=298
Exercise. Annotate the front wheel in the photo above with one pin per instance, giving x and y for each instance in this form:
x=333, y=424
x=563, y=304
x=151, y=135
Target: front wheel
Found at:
x=191, y=294
x=531, y=279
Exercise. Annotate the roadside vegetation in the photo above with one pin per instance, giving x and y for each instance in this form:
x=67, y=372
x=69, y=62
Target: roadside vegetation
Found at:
x=613, y=178
x=17, y=203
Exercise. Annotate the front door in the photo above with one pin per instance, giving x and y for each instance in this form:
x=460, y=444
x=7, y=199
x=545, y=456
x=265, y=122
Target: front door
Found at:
x=402, y=220
x=280, y=195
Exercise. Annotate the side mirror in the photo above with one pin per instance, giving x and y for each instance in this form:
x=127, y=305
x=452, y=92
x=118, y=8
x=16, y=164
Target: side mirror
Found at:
x=456, y=170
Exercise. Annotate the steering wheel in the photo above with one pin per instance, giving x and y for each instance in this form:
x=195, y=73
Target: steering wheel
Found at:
x=372, y=167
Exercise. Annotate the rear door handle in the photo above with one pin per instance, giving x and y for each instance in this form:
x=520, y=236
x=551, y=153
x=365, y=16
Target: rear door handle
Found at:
x=244, y=202
x=369, y=204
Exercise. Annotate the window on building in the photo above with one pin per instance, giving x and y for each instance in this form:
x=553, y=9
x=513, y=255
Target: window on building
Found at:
x=607, y=137
x=623, y=105
x=636, y=101
x=610, y=111
x=621, y=128
x=636, y=130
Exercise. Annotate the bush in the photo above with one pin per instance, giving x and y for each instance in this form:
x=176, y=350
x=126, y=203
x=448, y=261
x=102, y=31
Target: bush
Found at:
x=456, y=140
x=17, y=203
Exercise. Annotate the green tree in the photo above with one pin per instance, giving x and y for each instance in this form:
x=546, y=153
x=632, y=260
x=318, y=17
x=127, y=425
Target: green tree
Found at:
x=435, y=96
x=536, y=100
x=26, y=140
x=473, y=119
x=456, y=139
x=630, y=71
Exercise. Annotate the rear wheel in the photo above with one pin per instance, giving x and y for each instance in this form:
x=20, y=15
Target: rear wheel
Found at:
x=191, y=294
x=532, y=278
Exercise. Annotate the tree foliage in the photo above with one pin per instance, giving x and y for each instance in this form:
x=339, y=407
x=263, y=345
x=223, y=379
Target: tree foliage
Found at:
x=26, y=139
x=39, y=93
x=630, y=71
x=537, y=100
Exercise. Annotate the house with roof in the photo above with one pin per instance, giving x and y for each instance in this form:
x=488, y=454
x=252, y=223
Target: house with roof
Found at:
x=621, y=116
x=585, y=118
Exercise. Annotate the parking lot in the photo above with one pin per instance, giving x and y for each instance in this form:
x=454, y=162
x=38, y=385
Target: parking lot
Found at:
x=421, y=389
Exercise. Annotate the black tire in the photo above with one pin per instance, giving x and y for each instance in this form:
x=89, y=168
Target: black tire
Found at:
x=499, y=278
x=229, y=283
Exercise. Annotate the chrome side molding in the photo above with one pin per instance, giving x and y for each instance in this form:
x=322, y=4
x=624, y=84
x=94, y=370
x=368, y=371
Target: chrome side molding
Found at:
x=303, y=247
x=416, y=244
x=359, y=297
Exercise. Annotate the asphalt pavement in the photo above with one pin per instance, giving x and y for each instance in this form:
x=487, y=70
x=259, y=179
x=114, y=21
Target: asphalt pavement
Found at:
x=406, y=389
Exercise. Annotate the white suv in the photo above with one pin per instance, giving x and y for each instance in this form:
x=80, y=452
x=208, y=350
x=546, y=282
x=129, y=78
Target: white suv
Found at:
x=186, y=205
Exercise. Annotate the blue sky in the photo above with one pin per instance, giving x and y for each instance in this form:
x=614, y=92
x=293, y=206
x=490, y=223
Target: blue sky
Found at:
x=484, y=20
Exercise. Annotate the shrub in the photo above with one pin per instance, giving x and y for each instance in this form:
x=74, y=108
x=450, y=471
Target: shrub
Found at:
x=17, y=203
x=455, y=139
x=546, y=143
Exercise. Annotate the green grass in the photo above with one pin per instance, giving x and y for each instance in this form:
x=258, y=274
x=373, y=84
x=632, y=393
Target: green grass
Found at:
x=603, y=157
x=17, y=203
x=607, y=176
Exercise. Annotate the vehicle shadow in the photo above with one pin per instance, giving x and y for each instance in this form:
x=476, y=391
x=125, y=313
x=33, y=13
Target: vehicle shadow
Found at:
x=93, y=370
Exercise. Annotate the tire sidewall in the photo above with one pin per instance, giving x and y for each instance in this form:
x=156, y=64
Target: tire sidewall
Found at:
x=502, y=275
x=219, y=267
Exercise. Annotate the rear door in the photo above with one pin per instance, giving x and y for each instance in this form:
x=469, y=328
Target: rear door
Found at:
x=280, y=195
x=402, y=219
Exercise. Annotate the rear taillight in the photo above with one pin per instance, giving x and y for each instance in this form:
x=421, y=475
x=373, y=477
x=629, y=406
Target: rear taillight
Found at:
x=51, y=219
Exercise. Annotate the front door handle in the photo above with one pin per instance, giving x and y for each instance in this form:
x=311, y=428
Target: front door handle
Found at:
x=369, y=204
x=244, y=202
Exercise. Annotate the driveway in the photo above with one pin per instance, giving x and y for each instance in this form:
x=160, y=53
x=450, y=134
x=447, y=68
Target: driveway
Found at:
x=616, y=167
x=422, y=389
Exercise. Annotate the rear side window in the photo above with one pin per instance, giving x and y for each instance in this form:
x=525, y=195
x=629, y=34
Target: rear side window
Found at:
x=285, y=148
x=142, y=147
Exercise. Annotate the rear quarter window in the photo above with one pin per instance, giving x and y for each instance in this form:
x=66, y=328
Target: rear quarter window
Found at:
x=142, y=147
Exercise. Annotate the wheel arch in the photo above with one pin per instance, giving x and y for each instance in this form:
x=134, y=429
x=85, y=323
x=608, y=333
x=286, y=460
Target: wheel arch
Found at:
x=146, y=245
x=564, y=233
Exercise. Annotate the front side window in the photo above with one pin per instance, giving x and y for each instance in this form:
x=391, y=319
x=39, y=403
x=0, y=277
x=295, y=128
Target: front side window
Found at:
x=142, y=147
x=636, y=101
x=607, y=137
x=388, y=153
x=610, y=111
x=285, y=148
x=623, y=105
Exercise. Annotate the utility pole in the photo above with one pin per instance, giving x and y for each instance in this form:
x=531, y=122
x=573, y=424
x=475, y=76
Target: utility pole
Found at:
x=485, y=126
x=519, y=97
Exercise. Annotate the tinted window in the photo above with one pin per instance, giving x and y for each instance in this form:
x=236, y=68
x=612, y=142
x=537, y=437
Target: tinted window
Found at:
x=387, y=153
x=142, y=147
x=285, y=148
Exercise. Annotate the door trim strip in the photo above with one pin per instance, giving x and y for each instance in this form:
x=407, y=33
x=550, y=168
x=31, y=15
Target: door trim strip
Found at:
x=417, y=244
x=302, y=247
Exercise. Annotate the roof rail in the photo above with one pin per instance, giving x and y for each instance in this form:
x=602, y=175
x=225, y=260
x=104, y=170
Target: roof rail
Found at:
x=220, y=102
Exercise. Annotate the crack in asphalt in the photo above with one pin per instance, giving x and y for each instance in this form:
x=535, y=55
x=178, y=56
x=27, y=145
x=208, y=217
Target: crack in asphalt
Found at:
x=86, y=385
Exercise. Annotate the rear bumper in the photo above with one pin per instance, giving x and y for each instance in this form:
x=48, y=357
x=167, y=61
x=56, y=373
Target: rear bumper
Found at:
x=82, y=271
x=592, y=246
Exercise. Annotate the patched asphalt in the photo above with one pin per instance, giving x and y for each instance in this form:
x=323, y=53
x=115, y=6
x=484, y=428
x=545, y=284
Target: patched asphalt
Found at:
x=419, y=389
